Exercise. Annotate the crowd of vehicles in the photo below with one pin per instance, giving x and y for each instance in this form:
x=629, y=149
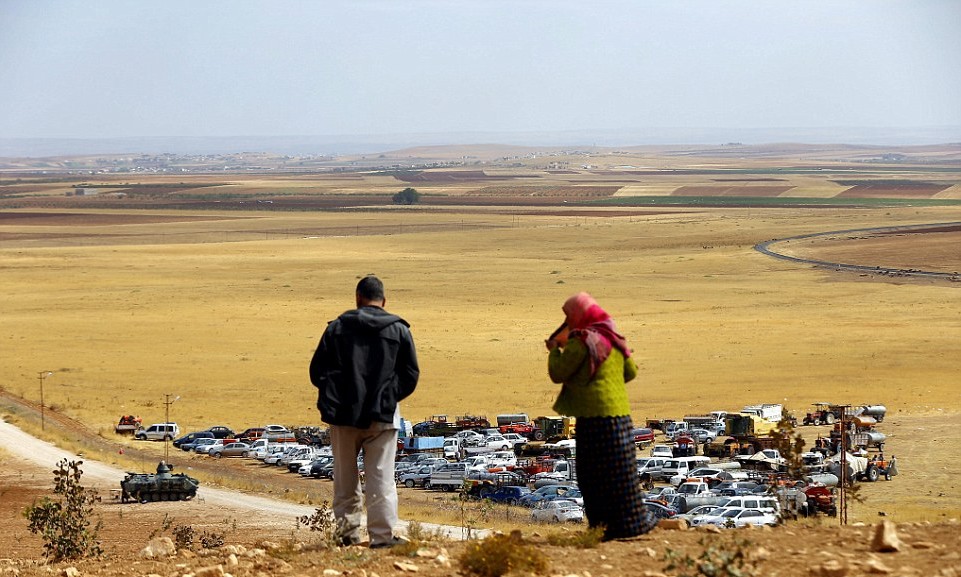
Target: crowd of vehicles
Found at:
x=719, y=468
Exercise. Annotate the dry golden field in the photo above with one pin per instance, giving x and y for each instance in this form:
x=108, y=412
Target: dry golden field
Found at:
x=224, y=307
x=230, y=326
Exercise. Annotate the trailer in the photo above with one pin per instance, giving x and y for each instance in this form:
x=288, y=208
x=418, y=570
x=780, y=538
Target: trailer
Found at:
x=423, y=445
x=128, y=425
x=556, y=428
x=772, y=412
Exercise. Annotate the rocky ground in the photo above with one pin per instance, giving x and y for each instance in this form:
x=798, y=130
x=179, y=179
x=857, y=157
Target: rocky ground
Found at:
x=261, y=536
x=256, y=544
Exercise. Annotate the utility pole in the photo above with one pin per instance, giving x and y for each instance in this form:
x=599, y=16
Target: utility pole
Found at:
x=167, y=403
x=43, y=422
x=842, y=483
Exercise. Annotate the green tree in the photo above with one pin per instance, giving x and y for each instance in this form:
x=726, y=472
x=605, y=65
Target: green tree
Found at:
x=407, y=196
x=65, y=525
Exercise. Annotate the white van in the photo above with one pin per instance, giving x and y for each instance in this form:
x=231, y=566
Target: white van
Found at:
x=159, y=432
x=682, y=466
x=452, y=448
x=672, y=430
x=763, y=503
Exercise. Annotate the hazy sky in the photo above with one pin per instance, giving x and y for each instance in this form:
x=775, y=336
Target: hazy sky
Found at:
x=92, y=68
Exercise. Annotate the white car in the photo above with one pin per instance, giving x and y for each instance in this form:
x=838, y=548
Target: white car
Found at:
x=660, y=492
x=557, y=511
x=563, y=444
x=703, y=510
x=159, y=432
x=736, y=517
x=662, y=451
x=514, y=438
x=203, y=446
x=704, y=473
x=503, y=459
x=498, y=443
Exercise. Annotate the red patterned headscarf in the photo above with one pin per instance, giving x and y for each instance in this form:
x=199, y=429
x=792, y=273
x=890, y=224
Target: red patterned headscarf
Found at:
x=590, y=323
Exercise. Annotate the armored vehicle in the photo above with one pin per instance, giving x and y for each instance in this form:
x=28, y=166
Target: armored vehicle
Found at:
x=162, y=486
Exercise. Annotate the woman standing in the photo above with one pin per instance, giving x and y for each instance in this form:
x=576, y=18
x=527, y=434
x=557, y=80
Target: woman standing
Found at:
x=592, y=361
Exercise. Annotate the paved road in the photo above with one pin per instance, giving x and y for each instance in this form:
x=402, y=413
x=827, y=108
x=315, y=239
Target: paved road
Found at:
x=766, y=248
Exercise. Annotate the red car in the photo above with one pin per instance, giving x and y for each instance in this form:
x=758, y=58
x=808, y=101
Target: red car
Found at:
x=526, y=429
x=643, y=436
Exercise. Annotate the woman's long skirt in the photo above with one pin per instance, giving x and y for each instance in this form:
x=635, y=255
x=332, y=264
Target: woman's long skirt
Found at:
x=607, y=477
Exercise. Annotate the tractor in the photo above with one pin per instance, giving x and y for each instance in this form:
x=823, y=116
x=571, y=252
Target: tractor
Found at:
x=823, y=413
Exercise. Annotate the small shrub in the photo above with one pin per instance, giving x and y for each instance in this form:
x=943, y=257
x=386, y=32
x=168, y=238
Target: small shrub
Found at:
x=501, y=554
x=472, y=515
x=184, y=537
x=212, y=540
x=719, y=559
x=587, y=539
x=417, y=532
x=323, y=522
x=66, y=525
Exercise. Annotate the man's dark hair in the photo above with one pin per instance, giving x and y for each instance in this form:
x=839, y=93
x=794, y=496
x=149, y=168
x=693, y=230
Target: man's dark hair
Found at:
x=370, y=288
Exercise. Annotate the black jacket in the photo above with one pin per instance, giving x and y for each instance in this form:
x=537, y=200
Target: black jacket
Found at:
x=364, y=365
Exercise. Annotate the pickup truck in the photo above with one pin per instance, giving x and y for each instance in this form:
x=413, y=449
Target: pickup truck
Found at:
x=694, y=494
x=449, y=477
x=697, y=493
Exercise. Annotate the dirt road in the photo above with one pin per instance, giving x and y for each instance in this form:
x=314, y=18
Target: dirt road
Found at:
x=263, y=511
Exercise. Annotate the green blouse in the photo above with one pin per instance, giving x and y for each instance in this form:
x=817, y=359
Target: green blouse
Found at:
x=603, y=396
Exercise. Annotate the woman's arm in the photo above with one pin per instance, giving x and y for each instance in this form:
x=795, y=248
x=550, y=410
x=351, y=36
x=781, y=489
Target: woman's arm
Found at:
x=563, y=363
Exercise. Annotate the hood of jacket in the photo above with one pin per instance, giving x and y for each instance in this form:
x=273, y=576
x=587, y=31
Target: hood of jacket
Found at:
x=369, y=319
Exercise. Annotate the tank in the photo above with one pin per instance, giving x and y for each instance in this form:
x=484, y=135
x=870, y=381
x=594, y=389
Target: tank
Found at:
x=876, y=411
x=162, y=486
x=826, y=479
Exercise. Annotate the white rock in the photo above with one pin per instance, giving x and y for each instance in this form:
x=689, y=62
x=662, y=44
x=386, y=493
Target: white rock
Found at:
x=886, y=538
x=159, y=547
x=210, y=571
x=832, y=568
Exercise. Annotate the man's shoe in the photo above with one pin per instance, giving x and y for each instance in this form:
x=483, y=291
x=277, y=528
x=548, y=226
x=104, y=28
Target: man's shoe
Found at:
x=395, y=541
x=348, y=541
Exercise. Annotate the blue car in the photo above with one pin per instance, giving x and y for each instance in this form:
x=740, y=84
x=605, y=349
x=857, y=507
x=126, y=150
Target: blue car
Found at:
x=546, y=492
x=508, y=494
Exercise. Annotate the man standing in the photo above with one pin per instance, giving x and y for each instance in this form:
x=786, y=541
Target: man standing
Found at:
x=364, y=365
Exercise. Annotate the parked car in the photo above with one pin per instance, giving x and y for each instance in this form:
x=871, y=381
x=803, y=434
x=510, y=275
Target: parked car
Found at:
x=204, y=446
x=186, y=443
x=700, y=473
x=502, y=459
x=643, y=436
x=417, y=478
x=498, y=443
x=558, y=511
x=737, y=517
x=649, y=464
x=300, y=459
x=545, y=493
x=662, y=451
x=322, y=469
x=221, y=432
x=660, y=511
x=732, y=488
x=515, y=438
x=229, y=450
x=660, y=493
x=762, y=502
x=697, y=512
x=702, y=435
x=252, y=433
x=159, y=432
x=508, y=494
